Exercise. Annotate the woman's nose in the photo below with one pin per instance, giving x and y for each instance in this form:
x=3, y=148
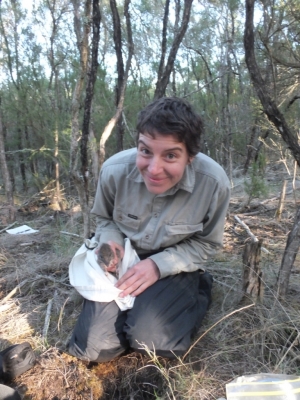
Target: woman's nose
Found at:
x=155, y=166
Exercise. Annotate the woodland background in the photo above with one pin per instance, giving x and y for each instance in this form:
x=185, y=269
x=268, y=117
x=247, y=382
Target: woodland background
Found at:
x=73, y=77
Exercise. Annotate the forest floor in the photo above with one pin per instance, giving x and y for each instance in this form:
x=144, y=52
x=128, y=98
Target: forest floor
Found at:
x=236, y=338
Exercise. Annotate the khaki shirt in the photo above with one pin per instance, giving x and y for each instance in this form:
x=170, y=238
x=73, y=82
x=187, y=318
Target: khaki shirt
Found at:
x=187, y=221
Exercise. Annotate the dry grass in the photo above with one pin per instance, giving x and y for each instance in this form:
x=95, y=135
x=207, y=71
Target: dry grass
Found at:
x=261, y=338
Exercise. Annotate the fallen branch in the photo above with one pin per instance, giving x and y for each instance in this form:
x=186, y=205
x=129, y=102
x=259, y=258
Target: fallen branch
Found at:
x=70, y=234
x=247, y=229
x=13, y=292
x=9, y=226
x=47, y=318
x=37, y=277
x=51, y=279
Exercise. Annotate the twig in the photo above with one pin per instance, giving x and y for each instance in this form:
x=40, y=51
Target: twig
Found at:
x=288, y=350
x=5, y=307
x=293, y=184
x=278, y=212
x=48, y=315
x=61, y=314
x=37, y=277
x=51, y=279
x=220, y=320
x=247, y=229
x=13, y=292
x=70, y=234
x=9, y=226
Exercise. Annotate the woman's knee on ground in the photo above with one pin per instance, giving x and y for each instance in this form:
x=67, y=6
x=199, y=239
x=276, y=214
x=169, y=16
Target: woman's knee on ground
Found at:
x=99, y=350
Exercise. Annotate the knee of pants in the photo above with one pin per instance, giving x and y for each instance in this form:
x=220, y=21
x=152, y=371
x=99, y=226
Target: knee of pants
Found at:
x=99, y=350
x=142, y=339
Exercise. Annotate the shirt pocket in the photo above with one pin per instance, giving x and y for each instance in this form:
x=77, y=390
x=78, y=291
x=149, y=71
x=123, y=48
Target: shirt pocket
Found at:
x=127, y=222
x=182, y=231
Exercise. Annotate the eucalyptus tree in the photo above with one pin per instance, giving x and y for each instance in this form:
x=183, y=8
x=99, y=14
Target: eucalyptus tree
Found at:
x=122, y=71
x=5, y=172
x=278, y=94
x=11, y=18
x=85, y=20
x=213, y=78
x=166, y=63
x=57, y=12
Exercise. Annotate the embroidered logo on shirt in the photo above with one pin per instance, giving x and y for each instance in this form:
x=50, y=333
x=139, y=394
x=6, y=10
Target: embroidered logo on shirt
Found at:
x=132, y=216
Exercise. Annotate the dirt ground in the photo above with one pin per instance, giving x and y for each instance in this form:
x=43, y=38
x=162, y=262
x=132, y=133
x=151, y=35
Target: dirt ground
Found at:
x=34, y=277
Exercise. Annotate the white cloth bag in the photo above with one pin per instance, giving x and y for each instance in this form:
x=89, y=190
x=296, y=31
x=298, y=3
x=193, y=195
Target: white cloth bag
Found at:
x=89, y=279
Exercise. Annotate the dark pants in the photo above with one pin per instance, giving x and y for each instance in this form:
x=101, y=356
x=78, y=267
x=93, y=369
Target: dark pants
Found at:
x=164, y=318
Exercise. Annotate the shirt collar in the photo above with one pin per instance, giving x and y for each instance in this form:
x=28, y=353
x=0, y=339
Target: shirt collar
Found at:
x=186, y=183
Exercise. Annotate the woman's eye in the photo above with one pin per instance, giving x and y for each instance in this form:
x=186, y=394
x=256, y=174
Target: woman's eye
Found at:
x=171, y=156
x=144, y=151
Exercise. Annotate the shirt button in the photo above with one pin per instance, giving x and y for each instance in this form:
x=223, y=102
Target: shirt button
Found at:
x=147, y=236
x=155, y=215
x=120, y=218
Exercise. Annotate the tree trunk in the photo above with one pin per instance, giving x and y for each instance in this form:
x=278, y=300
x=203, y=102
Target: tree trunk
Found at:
x=114, y=120
x=117, y=36
x=21, y=159
x=252, y=275
x=83, y=186
x=5, y=174
x=290, y=252
x=82, y=43
x=250, y=149
x=281, y=201
x=270, y=108
x=122, y=73
x=164, y=73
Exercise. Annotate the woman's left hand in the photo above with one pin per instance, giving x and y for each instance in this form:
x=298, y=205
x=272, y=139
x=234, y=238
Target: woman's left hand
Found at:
x=138, y=278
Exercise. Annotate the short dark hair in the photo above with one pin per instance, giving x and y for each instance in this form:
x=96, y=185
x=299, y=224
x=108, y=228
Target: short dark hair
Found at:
x=172, y=115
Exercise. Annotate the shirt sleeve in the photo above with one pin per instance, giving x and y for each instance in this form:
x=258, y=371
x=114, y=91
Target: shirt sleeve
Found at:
x=191, y=254
x=106, y=229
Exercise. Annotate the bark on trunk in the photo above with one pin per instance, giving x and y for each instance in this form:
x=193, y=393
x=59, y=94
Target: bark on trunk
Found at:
x=252, y=275
x=164, y=77
x=269, y=106
x=5, y=174
x=114, y=120
x=75, y=170
x=290, y=252
x=117, y=36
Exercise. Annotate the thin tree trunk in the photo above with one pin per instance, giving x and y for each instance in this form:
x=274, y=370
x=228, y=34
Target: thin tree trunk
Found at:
x=281, y=201
x=290, y=252
x=21, y=159
x=163, y=77
x=269, y=106
x=94, y=157
x=82, y=43
x=117, y=36
x=122, y=72
x=92, y=75
x=250, y=149
x=5, y=173
x=114, y=120
x=252, y=275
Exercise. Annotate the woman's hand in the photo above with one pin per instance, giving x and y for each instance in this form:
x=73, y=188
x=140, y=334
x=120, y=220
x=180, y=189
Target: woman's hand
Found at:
x=138, y=278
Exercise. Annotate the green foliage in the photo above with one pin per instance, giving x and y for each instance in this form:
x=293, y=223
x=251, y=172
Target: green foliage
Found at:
x=256, y=186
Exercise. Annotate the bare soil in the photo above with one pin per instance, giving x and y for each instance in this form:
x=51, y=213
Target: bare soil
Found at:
x=234, y=340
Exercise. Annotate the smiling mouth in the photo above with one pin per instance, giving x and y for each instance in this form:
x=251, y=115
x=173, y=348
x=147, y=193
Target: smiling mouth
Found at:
x=154, y=180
